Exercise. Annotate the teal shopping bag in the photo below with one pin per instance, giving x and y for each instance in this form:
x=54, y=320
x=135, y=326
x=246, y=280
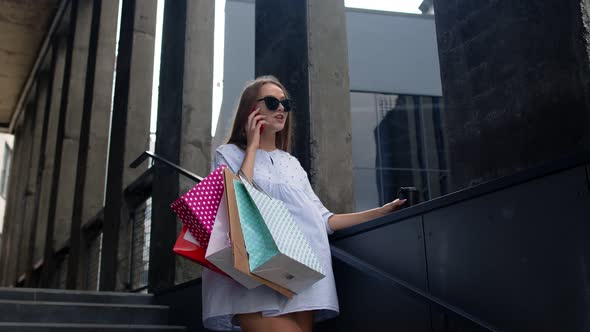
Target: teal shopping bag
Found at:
x=277, y=249
x=259, y=243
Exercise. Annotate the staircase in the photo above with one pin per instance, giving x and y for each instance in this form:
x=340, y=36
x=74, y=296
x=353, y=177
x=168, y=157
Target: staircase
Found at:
x=37, y=310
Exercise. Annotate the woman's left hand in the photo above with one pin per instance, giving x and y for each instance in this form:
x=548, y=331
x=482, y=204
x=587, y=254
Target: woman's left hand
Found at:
x=345, y=220
x=392, y=206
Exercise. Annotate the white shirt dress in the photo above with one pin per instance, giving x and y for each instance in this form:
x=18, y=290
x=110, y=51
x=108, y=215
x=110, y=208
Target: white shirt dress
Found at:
x=281, y=176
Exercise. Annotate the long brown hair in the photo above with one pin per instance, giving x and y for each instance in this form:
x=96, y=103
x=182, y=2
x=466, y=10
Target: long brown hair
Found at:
x=247, y=100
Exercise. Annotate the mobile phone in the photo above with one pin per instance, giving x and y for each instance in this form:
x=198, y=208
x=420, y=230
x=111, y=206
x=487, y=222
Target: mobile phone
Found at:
x=410, y=194
x=261, y=126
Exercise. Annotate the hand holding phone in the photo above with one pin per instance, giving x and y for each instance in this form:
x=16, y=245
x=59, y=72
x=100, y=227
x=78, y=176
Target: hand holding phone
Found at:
x=410, y=194
x=261, y=126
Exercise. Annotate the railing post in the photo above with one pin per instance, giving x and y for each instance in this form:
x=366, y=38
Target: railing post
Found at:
x=158, y=260
x=129, y=132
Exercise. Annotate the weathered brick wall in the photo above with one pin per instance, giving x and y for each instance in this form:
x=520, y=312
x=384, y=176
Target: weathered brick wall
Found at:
x=516, y=83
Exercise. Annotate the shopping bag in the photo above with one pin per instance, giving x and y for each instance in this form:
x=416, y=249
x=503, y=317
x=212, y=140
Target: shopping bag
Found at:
x=278, y=250
x=219, y=250
x=197, y=208
x=240, y=255
x=187, y=246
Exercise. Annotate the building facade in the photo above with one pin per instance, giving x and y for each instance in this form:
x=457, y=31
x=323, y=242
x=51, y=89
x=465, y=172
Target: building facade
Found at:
x=398, y=136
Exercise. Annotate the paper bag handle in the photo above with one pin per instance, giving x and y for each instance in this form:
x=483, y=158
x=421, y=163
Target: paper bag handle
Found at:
x=243, y=177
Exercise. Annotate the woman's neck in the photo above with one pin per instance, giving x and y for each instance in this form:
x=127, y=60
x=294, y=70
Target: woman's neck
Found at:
x=268, y=141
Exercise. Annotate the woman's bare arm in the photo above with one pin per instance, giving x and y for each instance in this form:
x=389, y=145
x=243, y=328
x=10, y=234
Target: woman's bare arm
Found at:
x=345, y=220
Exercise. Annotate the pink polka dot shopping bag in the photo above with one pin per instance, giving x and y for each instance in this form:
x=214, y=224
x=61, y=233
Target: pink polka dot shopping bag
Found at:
x=197, y=209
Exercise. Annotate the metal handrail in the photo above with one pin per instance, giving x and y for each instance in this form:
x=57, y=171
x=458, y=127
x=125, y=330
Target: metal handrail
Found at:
x=371, y=270
x=575, y=160
x=142, y=157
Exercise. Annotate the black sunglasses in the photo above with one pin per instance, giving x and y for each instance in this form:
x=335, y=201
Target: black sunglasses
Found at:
x=272, y=103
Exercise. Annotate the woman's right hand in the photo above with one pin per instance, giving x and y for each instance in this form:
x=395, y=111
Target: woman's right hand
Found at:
x=255, y=120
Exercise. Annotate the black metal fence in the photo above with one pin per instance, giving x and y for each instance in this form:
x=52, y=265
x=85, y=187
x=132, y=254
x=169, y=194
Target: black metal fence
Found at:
x=89, y=269
x=138, y=208
x=92, y=266
x=140, y=243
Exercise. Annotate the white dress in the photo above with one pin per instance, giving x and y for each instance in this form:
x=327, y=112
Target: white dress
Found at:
x=282, y=177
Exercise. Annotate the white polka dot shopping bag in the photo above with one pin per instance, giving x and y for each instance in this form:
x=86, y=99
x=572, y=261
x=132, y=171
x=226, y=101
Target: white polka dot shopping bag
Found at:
x=197, y=208
x=219, y=251
x=277, y=248
x=238, y=247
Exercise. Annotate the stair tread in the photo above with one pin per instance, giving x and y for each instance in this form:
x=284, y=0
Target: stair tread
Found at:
x=70, y=291
x=85, y=324
x=91, y=325
x=85, y=304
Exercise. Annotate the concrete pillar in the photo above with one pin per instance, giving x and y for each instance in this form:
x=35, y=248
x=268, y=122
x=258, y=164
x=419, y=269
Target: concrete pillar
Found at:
x=309, y=55
x=73, y=121
x=49, y=264
x=330, y=119
x=37, y=119
x=129, y=134
x=49, y=147
x=16, y=213
x=284, y=53
x=195, y=138
x=516, y=88
x=165, y=183
x=45, y=80
x=93, y=147
x=19, y=204
x=184, y=127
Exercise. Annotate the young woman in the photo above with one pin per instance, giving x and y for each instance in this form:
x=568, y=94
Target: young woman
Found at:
x=259, y=145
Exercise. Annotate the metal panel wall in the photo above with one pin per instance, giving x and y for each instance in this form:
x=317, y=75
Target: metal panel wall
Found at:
x=517, y=257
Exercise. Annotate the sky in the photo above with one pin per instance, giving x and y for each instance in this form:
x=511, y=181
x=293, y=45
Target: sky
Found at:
x=404, y=6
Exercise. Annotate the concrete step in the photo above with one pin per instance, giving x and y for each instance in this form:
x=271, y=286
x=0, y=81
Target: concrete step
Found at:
x=61, y=295
x=82, y=313
x=47, y=327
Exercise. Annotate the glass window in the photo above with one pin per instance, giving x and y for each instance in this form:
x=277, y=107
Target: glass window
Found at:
x=7, y=157
x=397, y=141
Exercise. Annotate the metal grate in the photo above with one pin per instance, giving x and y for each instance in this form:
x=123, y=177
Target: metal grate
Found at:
x=140, y=254
x=58, y=279
x=93, y=263
x=63, y=272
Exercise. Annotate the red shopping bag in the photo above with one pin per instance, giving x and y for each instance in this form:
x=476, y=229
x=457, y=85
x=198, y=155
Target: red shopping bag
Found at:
x=198, y=207
x=186, y=246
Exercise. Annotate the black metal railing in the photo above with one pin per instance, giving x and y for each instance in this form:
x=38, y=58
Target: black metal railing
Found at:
x=92, y=266
x=140, y=244
x=147, y=154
